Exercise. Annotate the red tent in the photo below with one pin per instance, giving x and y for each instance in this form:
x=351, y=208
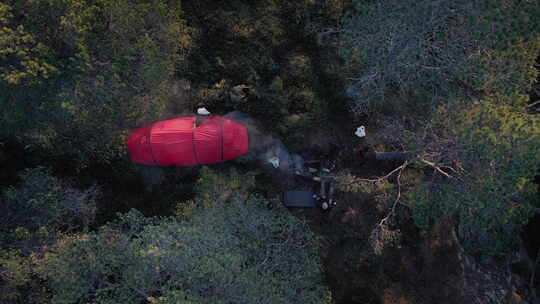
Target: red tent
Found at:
x=181, y=142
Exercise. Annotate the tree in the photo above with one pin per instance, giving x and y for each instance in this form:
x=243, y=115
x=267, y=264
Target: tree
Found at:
x=42, y=206
x=469, y=62
x=488, y=153
x=18, y=282
x=22, y=58
x=474, y=164
x=115, y=59
x=234, y=249
x=32, y=216
x=427, y=52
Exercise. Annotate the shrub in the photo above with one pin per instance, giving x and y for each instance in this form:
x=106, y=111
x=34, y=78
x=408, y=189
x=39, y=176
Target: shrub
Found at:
x=22, y=58
x=238, y=252
x=18, y=282
x=42, y=205
x=495, y=151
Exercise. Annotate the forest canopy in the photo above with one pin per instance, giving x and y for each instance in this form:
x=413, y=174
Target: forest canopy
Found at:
x=448, y=84
x=435, y=51
x=93, y=65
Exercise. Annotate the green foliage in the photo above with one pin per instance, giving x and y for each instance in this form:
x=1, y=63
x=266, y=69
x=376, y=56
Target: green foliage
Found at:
x=273, y=53
x=15, y=272
x=18, y=281
x=41, y=206
x=116, y=60
x=256, y=30
x=213, y=188
x=238, y=252
x=277, y=84
x=32, y=216
x=381, y=190
x=22, y=58
x=495, y=195
x=455, y=53
x=411, y=177
x=429, y=52
x=351, y=183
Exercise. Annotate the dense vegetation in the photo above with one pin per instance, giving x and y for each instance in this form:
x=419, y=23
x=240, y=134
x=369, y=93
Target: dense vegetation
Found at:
x=469, y=65
x=446, y=81
x=232, y=250
x=433, y=52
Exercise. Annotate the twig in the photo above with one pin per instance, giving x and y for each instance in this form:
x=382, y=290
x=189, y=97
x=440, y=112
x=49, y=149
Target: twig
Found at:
x=378, y=234
x=434, y=166
x=398, y=196
x=387, y=175
x=533, y=104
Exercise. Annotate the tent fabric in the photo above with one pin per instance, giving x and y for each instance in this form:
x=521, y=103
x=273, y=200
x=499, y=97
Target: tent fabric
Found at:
x=235, y=139
x=298, y=198
x=139, y=146
x=208, y=141
x=171, y=142
x=180, y=142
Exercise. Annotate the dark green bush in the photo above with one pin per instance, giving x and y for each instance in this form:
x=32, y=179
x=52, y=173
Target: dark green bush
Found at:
x=238, y=252
x=496, y=145
x=41, y=206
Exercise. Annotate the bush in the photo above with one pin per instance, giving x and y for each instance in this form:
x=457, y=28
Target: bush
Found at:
x=41, y=206
x=241, y=252
x=18, y=282
x=22, y=58
x=495, y=148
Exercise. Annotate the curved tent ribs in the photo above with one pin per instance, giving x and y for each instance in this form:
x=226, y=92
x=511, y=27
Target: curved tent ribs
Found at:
x=180, y=142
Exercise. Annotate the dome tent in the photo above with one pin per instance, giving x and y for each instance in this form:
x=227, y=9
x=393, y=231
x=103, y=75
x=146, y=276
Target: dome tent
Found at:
x=183, y=142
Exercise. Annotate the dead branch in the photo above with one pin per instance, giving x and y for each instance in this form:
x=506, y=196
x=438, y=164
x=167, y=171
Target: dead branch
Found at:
x=378, y=233
x=536, y=103
x=398, y=196
x=437, y=168
x=400, y=168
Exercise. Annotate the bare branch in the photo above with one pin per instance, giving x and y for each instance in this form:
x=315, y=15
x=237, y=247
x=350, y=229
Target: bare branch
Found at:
x=400, y=168
x=380, y=232
x=434, y=166
x=536, y=103
x=398, y=196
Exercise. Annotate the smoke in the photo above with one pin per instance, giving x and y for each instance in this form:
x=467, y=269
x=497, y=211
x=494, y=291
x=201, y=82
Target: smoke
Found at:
x=264, y=147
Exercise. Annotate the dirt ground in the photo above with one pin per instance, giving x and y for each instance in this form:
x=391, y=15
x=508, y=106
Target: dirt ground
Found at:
x=344, y=229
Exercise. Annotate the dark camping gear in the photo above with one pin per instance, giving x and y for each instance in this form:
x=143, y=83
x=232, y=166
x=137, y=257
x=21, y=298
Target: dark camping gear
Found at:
x=298, y=198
